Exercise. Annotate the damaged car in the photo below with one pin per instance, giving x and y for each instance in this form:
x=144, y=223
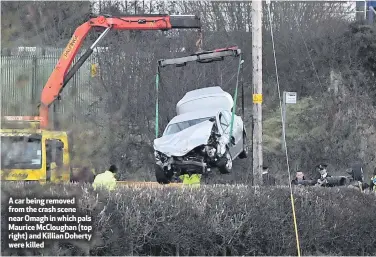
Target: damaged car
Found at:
x=198, y=138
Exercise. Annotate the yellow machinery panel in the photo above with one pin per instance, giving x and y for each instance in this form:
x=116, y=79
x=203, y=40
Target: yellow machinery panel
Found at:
x=27, y=128
x=19, y=172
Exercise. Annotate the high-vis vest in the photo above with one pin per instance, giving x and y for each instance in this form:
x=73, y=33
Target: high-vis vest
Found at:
x=106, y=180
x=373, y=179
x=193, y=180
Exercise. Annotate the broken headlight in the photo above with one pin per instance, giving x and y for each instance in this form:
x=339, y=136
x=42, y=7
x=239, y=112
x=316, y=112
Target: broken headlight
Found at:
x=160, y=156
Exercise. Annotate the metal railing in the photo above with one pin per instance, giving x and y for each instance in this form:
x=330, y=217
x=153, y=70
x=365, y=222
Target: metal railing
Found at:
x=24, y=74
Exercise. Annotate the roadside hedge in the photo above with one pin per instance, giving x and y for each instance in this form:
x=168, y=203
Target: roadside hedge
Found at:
x=212, y=220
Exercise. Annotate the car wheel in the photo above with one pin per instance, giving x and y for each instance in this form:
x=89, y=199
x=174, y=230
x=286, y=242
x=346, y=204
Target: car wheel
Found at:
x=244, y=153
x=160, y=175
x=227, y=166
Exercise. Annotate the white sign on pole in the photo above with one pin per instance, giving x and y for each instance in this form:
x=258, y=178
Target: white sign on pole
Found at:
x=290, y=97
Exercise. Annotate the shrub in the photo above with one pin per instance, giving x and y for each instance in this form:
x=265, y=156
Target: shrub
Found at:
x=213, y=220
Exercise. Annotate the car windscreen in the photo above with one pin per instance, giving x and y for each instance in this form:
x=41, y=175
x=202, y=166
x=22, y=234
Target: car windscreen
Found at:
x=21, y=152
x=179, y=126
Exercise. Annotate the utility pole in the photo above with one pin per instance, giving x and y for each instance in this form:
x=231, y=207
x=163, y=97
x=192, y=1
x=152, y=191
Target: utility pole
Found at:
x=257, y=91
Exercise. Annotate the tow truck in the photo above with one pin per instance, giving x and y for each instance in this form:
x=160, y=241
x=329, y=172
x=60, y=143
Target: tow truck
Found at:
x=43, y=152
x=31, y=154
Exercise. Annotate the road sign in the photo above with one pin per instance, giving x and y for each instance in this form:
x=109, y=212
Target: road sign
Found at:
x=290, y=97
x=94, y=70
x=257, y=98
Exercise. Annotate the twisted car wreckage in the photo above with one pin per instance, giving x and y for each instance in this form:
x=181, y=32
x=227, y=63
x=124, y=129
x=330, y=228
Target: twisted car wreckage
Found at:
x=198, y=138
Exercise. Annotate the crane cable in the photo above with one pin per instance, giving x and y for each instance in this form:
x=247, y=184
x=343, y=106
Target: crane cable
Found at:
x=236, y=96
x=157, y=102
x=199, y=44
x=284, y=134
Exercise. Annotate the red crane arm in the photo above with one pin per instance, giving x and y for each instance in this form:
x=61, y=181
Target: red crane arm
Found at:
x=60, y=75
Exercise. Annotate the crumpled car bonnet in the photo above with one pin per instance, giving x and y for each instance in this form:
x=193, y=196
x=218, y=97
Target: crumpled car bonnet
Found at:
x=179, y=144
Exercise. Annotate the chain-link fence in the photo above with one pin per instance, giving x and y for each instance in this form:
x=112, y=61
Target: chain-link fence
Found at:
x=25, y=71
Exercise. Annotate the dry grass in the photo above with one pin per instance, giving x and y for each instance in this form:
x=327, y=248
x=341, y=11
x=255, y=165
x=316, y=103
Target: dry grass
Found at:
x=214, y=220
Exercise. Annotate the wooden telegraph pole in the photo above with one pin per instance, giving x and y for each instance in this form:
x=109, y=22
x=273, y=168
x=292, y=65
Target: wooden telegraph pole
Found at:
x=257, y=91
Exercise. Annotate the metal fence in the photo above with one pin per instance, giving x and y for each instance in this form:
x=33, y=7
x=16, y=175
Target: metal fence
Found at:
x=25, y=71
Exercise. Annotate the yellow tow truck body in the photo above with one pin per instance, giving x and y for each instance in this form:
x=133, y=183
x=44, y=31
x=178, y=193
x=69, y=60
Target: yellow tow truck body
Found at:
x=31, y=154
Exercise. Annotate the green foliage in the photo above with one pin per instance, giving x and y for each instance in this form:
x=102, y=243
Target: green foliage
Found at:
x=220, y=220
x=296, y=127
x=363, y=39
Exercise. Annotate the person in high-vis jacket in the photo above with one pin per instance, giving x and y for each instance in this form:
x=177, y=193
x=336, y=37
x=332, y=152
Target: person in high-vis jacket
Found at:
x=191, y=180
x=107, y=179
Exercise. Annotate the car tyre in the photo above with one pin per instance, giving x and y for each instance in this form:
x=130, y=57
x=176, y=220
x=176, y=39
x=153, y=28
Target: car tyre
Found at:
x=227, y=166
x=244, y=153
x=160, y=175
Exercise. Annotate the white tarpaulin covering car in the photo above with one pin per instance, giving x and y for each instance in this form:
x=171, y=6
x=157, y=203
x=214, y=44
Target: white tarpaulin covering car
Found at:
x=198, y=138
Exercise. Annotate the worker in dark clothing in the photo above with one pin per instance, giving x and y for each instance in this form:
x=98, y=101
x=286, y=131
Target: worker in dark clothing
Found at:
x=322, y=169
x=357, y=175
x=357, y=172
x=87, y=175
x=299, y=178
x=84, y=175
x=372, y=185
x=267, y=179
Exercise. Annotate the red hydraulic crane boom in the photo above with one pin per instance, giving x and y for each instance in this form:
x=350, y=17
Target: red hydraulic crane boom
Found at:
x=61, y=76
